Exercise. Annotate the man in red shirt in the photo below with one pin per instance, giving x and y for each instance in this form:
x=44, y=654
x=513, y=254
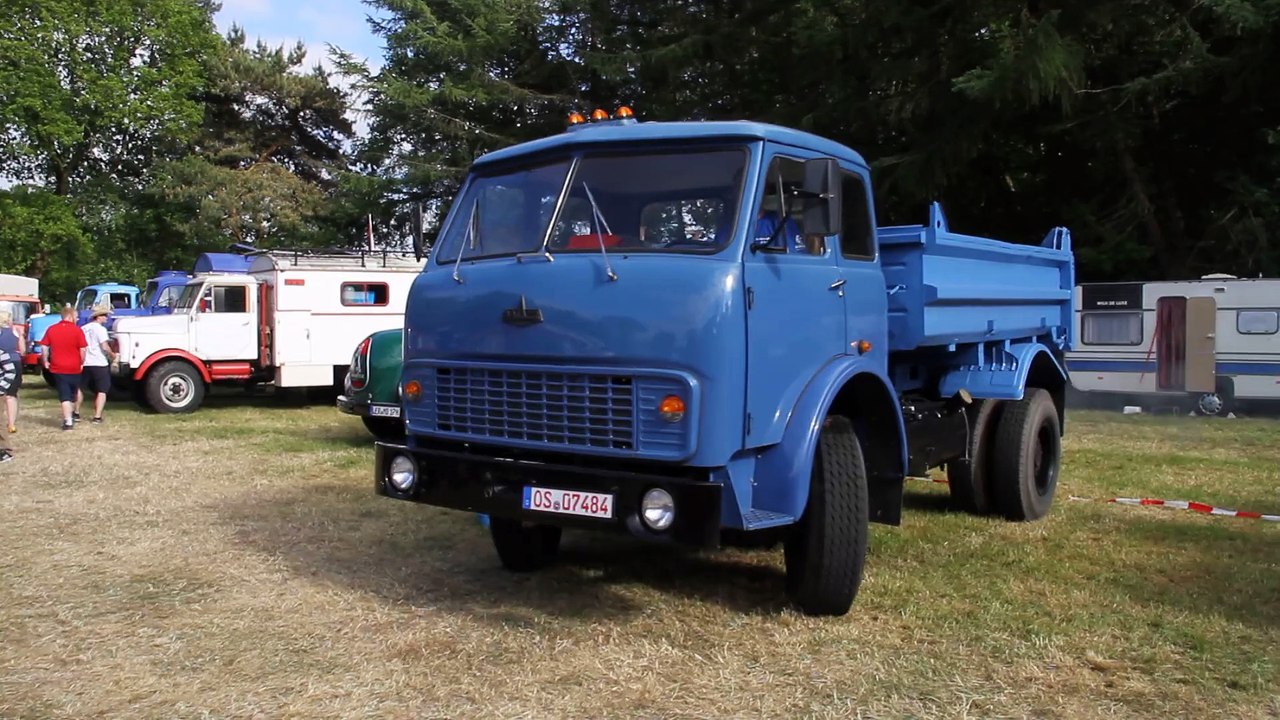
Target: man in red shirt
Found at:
x=63, y=353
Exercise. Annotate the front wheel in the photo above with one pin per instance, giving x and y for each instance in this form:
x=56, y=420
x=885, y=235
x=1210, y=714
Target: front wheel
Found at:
x=1026, y=456
x=826, y=550
x=174, y=387
x=522, y=547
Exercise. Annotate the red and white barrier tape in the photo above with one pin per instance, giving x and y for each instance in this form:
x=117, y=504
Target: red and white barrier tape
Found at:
x=1196, y=507
x=1179, y=504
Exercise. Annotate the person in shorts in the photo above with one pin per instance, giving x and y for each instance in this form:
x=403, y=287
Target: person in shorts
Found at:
x=63, y=354
x=96, y=375
x=16, y=347
x=10, y=368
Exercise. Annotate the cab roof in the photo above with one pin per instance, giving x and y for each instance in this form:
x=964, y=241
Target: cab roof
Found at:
x=622, y=132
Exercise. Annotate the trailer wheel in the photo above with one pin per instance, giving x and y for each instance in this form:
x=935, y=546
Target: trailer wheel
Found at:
x=970, y=480
x=1026, y=456
x=826, y=550
x=383, y=428
x=174, y=387
x=521, y=547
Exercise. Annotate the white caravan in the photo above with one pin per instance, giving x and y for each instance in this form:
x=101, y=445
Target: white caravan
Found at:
x=1211, y=341
x=290, y=322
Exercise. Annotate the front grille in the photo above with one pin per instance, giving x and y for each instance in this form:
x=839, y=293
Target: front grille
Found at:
x=559, y=408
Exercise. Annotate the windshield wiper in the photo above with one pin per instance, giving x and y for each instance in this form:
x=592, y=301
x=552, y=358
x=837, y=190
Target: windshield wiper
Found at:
x=599, y=217
x=469, y=237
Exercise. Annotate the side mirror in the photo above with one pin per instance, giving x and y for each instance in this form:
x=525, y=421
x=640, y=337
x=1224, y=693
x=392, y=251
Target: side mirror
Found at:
x=415, y=227
x=822, y=197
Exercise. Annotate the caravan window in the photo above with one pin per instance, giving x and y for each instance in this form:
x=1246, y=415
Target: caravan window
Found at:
x=365, y=293
x=1257, y=322
x=1112, y=328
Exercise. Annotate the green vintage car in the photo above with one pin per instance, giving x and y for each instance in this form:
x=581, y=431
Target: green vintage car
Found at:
x=372, y=386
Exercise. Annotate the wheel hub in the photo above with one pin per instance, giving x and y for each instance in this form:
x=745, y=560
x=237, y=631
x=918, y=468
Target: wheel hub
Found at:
x=176, y=390
x=1210, y=403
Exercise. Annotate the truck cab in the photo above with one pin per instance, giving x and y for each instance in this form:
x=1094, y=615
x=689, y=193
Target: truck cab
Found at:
x=676, y=329
x=118, y=296
x=210, y=332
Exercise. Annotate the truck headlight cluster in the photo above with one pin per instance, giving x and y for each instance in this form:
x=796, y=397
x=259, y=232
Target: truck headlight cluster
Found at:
x=657, y=509
x=402, y=473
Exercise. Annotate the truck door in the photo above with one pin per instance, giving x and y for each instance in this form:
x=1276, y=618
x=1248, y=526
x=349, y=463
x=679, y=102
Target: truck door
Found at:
x=795, y=310
x=866, y=305
x=1202, y=326
x=225, y=324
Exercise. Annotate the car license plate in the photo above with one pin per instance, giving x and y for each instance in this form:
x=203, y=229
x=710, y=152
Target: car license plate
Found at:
x=568, y=502
x=384, y=411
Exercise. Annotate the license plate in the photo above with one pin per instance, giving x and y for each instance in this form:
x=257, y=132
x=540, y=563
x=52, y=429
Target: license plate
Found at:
x=568, y=502
x=384, y=411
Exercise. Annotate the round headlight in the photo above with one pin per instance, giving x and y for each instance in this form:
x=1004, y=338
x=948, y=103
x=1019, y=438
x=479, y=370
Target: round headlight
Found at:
x=657, y=509
x=401, y=473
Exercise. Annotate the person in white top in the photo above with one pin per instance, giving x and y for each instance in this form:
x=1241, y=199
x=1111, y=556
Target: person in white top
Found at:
x=98, y=356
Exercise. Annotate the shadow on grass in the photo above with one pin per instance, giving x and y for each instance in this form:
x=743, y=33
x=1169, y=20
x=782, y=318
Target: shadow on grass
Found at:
x=433, y=558
x=1216, y=567
x=930, y=503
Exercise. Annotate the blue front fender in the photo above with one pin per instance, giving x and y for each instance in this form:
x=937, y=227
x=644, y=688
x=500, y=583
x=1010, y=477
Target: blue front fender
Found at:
x=782, y=472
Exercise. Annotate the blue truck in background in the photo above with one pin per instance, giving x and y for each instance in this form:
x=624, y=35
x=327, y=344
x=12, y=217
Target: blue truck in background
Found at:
x=682, y=330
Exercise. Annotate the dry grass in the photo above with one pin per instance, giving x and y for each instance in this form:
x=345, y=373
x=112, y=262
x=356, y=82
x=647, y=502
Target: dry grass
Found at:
x=236, y=563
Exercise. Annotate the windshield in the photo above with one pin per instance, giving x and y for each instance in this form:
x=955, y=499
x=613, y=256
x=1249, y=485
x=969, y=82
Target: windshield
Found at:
x=680, y=200
x=85, y=299
x=18, y=310
x=147, y=293
x=187, y=299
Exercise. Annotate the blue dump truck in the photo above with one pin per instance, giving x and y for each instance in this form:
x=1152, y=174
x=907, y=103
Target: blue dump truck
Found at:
x=690, y=330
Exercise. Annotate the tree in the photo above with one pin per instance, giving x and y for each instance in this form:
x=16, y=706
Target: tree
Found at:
x=93, y=88
x=42, y=238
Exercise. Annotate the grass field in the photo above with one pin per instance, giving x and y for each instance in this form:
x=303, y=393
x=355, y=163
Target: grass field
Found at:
x=235, y=563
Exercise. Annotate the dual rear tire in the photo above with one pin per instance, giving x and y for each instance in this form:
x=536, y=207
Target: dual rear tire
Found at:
x=1015, y=451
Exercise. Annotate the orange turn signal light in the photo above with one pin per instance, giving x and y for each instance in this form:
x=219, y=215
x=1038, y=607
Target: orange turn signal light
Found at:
x=599, y=114
x=862, y=346
x=671, y=408
x=413, y=390
x=576, y=118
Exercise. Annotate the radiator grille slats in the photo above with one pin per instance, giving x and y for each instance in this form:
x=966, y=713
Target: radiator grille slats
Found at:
x=558, y=408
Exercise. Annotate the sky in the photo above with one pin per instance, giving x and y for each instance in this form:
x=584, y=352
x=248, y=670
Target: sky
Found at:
x=341, y=23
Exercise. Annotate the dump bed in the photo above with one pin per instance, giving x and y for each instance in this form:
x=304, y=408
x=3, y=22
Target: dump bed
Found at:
x=949, y=288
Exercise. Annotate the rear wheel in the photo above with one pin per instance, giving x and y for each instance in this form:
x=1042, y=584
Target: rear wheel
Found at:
x=826, y=550
x=1026, y=456
x=524, y=547
x=970, y=480
x=174, y=386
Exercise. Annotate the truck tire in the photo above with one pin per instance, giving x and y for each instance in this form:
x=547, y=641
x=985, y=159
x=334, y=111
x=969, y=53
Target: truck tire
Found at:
x=1026, y=456
x=174, y=386
x=521, y=547
x=384, y=428
x=826, y=550
x=970, y=481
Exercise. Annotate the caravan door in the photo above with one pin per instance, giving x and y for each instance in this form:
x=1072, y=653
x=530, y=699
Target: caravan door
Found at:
x=1202, y=327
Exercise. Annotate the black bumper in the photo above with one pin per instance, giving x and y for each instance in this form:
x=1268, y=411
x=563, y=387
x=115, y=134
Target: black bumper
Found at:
x=352, y=407
x=495, y=486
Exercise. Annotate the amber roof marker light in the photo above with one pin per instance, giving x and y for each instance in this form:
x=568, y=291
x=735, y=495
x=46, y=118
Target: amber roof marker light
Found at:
x=599, y=114
x=576, y=118
x=624, y=112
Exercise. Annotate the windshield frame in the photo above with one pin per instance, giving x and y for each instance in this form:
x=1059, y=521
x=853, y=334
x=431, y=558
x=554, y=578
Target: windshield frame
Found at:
x=461, y=212
x=195, y=288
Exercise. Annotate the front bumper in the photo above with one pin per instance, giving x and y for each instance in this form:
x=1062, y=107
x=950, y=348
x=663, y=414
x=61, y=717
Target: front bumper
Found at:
x=495, y=486
x=364, y=408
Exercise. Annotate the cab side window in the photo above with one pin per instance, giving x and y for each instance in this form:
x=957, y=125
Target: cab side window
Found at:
x=783, y=177
x=856, y=238
x=231, y=299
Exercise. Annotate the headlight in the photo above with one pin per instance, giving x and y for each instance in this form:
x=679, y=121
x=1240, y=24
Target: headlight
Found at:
x=402, y=473
x=657, y=509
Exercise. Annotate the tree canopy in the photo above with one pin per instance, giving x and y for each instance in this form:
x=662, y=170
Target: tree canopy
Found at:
x=141, y=136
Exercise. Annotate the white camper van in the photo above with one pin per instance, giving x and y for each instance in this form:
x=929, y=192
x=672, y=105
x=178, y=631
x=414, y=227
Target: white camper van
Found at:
x=1211, y=341
x=291, y=321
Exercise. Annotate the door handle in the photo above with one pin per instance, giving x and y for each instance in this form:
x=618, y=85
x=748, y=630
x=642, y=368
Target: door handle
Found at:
x=837, y=284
